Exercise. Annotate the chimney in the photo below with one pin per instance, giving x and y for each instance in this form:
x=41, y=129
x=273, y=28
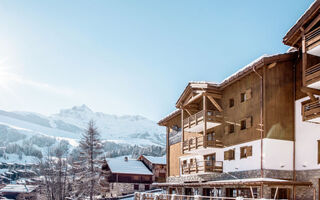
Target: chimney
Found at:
x=126, y=158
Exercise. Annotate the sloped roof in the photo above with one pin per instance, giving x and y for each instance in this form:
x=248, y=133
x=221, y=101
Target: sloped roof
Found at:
x=120, y=166
x=304, y=20
x=169, y=116
x=14, y=188
x=157, y=160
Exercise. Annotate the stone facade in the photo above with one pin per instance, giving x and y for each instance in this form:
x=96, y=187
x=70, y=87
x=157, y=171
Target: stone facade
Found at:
x=119, y=189
x=278, y=174
x=312, y=176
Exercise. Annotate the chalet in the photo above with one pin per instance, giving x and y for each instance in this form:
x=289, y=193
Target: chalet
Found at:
x=256, y=134
x=125, y=176
x=157, y=165
x=13, y=191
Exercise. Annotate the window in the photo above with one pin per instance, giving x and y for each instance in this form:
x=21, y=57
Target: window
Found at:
x=283, y=193
x=242, y=97
x=245, y=151
x=245, y=96
x=136, y=187
x=229, y=155
x=231, y=128
x=231, y=103
x=146, y=187
x=243, y=124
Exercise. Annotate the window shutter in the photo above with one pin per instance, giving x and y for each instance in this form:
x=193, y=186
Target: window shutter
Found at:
x=226, y=129
x=248, y=94
x=226, y=155
x=248, y=122
x=249, y=151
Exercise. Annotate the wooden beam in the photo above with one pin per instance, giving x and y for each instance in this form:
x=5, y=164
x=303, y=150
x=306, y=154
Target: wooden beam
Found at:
x=272, y=65
x=316, y=20
x=193, y=99
x=182, y=131
x=215, y=103
x=188, y=111
x=312, y=97
x=204, y=118
x=304, y=59
x=214, y=95
x=310, y=90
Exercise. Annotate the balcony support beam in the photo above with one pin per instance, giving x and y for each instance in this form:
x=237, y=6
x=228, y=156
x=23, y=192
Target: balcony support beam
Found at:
x=182, y=131
x=304, y=59
x=215, y=103
x=310, y=90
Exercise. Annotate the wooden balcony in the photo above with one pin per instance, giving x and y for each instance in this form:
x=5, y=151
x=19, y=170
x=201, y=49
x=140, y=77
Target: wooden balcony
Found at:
x=197, y=167
x=194, y=123
x=313, y=42
x=311, y=111
x=313, y=77
x=201, y=142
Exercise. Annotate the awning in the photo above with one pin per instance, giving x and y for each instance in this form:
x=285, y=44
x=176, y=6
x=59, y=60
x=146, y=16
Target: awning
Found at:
x=238, y=182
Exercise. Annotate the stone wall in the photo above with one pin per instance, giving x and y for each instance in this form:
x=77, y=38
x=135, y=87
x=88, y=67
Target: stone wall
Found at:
x=279, y=174
x=308, y=175
x=119, y=189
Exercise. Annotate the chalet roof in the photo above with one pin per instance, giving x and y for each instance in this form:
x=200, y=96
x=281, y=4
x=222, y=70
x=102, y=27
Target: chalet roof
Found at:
x=157, y=160
x=249, y=181
x=169, y=116
x=257, y=63
x=120, y=166
x=295, y=31
x=14, y=188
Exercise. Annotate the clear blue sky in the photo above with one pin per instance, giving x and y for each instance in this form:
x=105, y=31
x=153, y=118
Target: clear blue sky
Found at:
x=130, y=57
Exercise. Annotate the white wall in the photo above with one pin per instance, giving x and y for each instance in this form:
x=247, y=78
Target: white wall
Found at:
x=307, y=135
x=277, y=154
x=250, y=163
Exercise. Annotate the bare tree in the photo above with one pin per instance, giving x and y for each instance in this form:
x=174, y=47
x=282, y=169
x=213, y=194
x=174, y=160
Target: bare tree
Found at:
x=88, y=170
x=54, y=168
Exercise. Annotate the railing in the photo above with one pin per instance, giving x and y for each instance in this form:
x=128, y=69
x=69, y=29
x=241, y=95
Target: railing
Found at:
x=310, y=110
x=200, y=142
x=193, y=120
x=312, y=38
x=153, y=196
x=313, y=74
x=202, y=167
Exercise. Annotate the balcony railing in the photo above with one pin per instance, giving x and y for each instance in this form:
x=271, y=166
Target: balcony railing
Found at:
x=311, y=110
x=313, y=39
x=196, y=119
x=313, y=74
x=202, y=167
x=201, y=142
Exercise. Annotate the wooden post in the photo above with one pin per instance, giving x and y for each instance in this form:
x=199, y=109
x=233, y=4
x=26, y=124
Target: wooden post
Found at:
x=204, y=119
x=304, y=59
x=182, y=131
x=168, y=151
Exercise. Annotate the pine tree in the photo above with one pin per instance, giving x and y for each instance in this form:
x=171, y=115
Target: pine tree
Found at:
x=87, y=176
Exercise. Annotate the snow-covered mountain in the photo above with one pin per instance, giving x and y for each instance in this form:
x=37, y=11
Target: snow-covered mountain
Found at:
x=69, y=124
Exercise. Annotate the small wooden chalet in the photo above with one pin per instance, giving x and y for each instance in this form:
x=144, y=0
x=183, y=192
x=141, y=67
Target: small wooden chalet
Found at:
x=157, y=165
x=125, y=176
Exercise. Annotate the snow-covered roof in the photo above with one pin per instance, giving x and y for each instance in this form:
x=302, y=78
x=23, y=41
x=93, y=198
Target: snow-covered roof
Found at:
x=172, y=114
x=128, y=167
x=14, y=188
x=157, y=160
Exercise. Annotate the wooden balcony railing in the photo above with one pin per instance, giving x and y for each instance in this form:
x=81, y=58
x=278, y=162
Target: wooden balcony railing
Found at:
x=194, y=120
x=313, y=39
x=202, y=167
x=201, y=142
x=310, y=110
x=313, y=74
